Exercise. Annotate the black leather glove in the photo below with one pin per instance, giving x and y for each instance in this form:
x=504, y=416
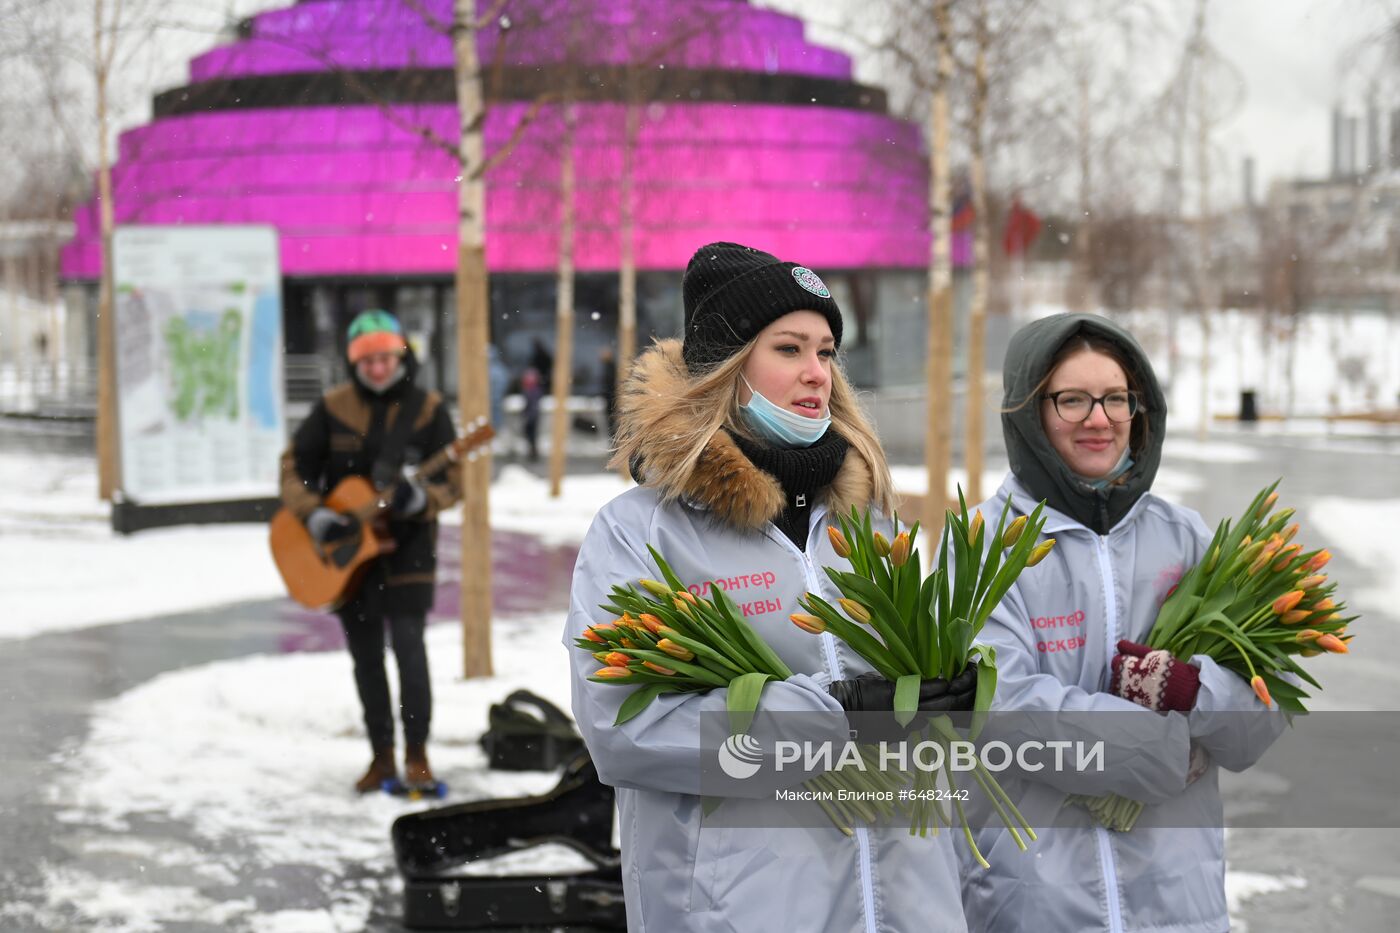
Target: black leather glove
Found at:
x=327, y=525
x=871, y=692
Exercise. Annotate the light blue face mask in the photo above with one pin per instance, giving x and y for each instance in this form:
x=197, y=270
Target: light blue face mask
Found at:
x=782, y=427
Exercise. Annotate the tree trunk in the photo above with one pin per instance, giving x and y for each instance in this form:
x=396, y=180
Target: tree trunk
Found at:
x=473, y=336
x=981, y=255
x=563, y=309
x=627, y=259
x=1206, y=287
x=108, y=461
x=939, y=366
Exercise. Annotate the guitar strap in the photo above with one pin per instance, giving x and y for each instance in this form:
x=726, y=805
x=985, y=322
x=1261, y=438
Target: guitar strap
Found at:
x=390, y=460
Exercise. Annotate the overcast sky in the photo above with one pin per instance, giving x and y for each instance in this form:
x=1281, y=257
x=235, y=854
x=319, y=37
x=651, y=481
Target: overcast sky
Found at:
x=1293, y=56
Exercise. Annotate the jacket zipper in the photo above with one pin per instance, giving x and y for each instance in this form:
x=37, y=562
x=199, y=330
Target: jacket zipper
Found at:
x=1106, y=861
x=833, y=663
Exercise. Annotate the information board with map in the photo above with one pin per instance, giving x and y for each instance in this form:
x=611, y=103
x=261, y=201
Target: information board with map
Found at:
x=199, y=362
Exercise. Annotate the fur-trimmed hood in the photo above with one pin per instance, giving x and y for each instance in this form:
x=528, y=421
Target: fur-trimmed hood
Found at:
x=723, y=480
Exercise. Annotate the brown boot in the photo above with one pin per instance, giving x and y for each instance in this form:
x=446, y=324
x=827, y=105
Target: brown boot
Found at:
x=381, y=769
x=416, y=772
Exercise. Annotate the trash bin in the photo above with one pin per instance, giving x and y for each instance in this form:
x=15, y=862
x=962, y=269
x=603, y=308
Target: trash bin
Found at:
x=1249, y=410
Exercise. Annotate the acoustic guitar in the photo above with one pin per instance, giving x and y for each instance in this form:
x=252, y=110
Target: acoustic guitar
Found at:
x=325, y=576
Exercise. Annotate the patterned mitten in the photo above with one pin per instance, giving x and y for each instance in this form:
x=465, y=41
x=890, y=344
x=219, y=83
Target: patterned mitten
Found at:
x=1154, y=679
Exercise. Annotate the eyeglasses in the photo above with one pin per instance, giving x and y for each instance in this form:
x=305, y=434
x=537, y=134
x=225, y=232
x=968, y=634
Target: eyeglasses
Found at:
x=1075, y=406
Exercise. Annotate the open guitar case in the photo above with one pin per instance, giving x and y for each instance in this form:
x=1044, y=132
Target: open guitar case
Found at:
x=435, y=848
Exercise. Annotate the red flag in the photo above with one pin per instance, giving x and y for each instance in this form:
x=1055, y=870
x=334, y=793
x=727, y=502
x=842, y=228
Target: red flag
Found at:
x=1022, y=227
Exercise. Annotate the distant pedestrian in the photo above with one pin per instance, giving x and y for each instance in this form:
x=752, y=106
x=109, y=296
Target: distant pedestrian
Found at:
x=498, y=380
x=532, y=388
x=607, y=365
x=543, y=362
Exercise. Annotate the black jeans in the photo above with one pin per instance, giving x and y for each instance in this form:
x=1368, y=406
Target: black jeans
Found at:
x=364, y=636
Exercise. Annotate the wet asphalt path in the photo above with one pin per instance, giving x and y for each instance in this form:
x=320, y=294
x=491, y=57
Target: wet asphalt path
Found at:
x=49, y=683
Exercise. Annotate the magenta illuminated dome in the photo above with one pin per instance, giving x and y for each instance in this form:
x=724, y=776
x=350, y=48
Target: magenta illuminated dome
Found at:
x=748, y=133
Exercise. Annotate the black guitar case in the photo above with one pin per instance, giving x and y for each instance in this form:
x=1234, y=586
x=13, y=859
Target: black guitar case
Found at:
x=435, y=848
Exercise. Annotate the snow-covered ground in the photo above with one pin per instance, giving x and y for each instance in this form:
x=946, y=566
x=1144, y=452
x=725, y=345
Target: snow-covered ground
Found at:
x=229, y=749
x=65, y=568
x=256, y=756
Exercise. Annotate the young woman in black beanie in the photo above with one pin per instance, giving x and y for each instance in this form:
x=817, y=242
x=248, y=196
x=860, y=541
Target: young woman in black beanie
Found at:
x=747, y=440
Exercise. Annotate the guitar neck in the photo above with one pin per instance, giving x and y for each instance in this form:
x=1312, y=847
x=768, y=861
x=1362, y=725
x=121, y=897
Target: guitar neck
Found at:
x=455, y=451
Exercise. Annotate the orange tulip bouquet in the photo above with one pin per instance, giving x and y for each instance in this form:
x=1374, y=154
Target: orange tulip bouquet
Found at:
x=911, y=627
x=1255, y=604
x=665, y=639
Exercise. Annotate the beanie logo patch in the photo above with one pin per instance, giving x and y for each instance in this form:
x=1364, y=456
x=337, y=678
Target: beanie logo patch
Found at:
x=811, y=281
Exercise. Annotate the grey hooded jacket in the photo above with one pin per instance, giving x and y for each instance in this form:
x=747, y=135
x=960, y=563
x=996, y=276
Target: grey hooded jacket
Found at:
x=680, y=873
x=1055, y=634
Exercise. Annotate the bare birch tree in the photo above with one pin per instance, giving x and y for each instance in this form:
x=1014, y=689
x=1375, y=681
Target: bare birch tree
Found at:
x=473, y=336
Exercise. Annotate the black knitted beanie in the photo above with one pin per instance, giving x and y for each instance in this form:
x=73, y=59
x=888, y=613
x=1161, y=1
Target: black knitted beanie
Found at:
x=732, y=292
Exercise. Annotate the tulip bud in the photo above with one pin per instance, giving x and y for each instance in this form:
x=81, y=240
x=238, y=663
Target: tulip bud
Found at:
x=1333, y=644
x=1039, y=551
x=1317, y=561
x=651, y=622
x=1261, y=690
x=688, y=596
x=592, y=632
x=1324, y=604
x=682, y=605
x=1013, y=534
x=617, y=659
x=1246, y=542
x=1294, y=616
x=679, y=652
x=1267, y=504
x=838, y=541
x=899, y=550
x=613, y=673
x=1211, y=561
x=855, y=610
x=808, y=623
x=1307, y=635
x=974, y=527
x=882, y=546
x=1287, y=601
x=629, y=643
x=1289, y=532
x=1285, y=557
x=657, y=668
x=1309, y=583
x=656, y=588
x=1310, y=652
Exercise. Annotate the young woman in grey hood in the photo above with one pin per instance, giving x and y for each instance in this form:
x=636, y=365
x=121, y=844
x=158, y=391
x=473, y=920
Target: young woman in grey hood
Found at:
x=745, y=439
x=1084, y=420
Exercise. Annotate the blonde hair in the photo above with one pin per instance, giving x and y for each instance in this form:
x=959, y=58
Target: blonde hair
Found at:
x=710, y=401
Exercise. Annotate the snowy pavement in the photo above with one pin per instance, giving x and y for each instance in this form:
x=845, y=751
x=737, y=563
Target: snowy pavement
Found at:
x=180, y=739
